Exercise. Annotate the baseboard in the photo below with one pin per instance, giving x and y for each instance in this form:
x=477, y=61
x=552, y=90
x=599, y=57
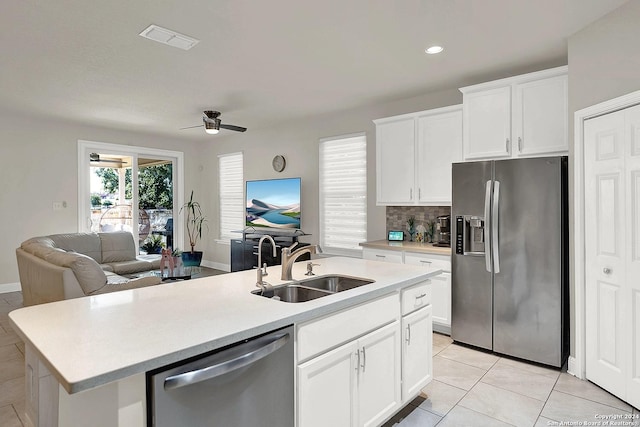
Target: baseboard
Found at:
x=443, y=329
x=216, y=265
x=9, y=287
x=572, y=367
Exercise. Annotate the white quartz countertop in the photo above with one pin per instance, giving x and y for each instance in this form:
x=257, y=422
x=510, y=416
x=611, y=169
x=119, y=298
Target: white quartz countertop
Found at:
x=425, y=248
x=91, y=341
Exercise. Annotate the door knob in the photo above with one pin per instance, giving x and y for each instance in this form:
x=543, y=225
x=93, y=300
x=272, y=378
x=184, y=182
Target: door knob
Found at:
x=606, y=270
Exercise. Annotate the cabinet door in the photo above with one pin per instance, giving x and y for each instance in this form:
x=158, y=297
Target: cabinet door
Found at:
x=540, y=117
x=416, y=352
x=327, y=388
x=395, y=157
x=487, y=124
x=379, y=375
x=441, y=301
x=439, y=145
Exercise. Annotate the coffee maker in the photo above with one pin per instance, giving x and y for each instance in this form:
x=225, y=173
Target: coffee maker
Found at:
x=443, y=225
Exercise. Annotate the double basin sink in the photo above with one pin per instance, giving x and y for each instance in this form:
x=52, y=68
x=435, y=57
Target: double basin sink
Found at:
x=310, y=289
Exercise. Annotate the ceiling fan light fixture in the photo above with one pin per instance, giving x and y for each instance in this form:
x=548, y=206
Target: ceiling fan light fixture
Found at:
x=212, y=127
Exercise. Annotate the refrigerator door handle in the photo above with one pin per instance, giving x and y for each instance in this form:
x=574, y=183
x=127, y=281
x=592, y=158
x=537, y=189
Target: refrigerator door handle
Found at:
x=495, y=244
x=487, y=210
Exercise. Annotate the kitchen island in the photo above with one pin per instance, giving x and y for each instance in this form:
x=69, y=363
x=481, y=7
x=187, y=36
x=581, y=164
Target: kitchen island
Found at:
x=87, y=358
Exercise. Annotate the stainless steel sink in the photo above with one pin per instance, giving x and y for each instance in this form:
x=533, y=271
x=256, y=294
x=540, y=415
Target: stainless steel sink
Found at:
x=310, y=289
x=334, y=283
x=291, y=293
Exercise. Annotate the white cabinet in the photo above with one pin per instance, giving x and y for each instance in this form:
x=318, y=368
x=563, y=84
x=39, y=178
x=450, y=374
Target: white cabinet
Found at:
x=416, y=344
x=414, y=153
x=440, y=287
x=379, y=375
x=327, y=387
x=357, y=384
x=439, y=145
x=520, y=116
x=395, y=159
x=382, y=255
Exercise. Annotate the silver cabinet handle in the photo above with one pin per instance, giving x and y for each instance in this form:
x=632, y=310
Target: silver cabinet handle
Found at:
x=411, y=194
x=421, y=296
x=364, y=359
x=267, y=345
x=606, y=270
x=495, y=244
x=381, y=256
x=358, y=361
x=419, y=193
x=520, y=144
x=408, y=334
x=507, y=145
x=425, y=261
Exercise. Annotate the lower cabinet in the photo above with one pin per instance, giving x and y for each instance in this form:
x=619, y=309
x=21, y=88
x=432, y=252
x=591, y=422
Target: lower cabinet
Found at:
x=357, y=367
x=441, y=284
x=416, y=345
x=357, y=384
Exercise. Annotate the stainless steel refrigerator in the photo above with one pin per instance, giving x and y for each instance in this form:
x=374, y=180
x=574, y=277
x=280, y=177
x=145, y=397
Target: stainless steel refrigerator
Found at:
x=510, y=257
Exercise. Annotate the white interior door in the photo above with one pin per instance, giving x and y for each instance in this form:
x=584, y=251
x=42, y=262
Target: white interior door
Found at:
x=610, y=240
x=633, y=253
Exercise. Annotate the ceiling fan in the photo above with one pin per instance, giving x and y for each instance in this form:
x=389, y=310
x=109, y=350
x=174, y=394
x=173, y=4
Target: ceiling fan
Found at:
x=95, y=158
x=212, y=124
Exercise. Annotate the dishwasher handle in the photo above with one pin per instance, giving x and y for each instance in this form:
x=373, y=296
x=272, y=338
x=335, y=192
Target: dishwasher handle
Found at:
x=188, y=378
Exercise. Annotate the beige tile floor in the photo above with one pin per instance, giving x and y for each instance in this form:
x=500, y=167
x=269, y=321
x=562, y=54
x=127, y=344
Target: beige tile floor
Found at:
x=473, y=388
x=470, y=388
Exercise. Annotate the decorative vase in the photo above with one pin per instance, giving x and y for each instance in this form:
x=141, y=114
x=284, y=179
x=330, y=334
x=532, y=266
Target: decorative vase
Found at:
x=192, y=259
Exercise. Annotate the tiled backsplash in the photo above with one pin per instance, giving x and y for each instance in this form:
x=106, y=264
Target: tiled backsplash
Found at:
x=397, y=216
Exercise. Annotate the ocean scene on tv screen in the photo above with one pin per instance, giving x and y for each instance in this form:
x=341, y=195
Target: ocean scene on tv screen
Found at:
x=274, y=203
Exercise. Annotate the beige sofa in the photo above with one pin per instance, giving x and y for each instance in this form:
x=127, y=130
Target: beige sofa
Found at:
x=64, y=266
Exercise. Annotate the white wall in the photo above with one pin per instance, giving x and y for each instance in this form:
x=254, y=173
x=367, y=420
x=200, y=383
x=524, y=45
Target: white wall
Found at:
x=38, y=165
x=298, y=142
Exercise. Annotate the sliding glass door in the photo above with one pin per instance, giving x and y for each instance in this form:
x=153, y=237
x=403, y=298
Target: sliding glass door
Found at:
x=134, y=189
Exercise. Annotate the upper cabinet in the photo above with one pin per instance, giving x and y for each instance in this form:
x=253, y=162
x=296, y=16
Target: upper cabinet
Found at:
x=520, y=116
x=414, y=153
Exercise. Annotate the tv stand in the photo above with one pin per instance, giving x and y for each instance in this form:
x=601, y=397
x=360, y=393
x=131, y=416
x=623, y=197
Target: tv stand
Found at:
x=244, y=251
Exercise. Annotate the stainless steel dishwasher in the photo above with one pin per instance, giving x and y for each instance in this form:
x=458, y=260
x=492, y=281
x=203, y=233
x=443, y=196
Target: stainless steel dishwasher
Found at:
x=243, y=385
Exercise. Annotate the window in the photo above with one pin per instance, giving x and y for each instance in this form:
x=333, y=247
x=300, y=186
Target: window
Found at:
x=343, y=194
x=231, y=181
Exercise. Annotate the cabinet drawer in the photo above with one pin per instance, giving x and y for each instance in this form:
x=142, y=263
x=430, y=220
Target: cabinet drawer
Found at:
x=380, y=255
x=416, y=296
x=427, y=260
x=328, y=332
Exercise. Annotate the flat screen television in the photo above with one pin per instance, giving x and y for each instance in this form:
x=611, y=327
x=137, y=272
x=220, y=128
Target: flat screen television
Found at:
x=273, y=203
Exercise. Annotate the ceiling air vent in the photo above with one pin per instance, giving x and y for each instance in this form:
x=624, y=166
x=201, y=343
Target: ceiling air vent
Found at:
x=165, y=36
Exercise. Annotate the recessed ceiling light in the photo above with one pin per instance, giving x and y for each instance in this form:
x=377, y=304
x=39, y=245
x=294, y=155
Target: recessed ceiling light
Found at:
x=434, y=49
x=170, y=37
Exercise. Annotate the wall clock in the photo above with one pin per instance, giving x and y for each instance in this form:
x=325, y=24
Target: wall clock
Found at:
x=278, y=163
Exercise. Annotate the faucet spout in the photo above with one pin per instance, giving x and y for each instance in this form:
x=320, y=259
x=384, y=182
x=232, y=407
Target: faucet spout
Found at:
x=273, y=246
x=289, y=257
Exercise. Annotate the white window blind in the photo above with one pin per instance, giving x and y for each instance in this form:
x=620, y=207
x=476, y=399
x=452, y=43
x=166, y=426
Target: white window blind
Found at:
x=343, y=194
x=231, y=181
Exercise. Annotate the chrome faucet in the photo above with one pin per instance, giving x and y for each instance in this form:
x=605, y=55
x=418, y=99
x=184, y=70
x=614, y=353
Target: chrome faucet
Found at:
x=288, y=258
x=262, y=270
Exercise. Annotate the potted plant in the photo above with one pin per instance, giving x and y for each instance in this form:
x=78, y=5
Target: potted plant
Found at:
x=153, y=244
x=195, y=220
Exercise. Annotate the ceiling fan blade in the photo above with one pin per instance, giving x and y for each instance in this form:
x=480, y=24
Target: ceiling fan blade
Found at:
x=191, y=127
x=106, y=162
x=232, y=127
